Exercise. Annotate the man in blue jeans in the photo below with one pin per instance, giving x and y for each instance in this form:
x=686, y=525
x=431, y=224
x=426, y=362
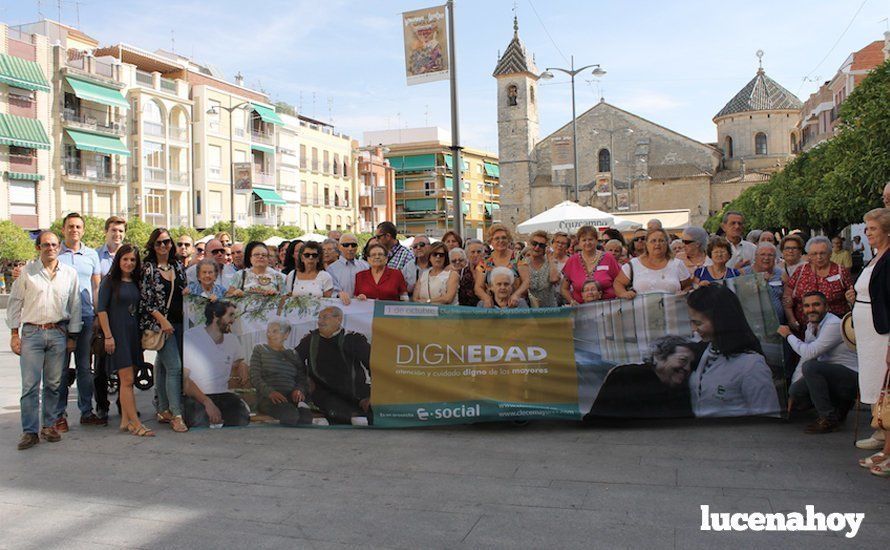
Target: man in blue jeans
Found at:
x=44, y=317
x=85, y=262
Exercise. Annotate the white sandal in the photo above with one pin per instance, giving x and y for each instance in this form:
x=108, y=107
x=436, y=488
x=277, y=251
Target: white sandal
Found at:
x=873, y=460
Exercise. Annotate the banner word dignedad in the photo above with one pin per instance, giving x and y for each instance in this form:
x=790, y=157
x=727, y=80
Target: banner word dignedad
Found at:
x=396, y=364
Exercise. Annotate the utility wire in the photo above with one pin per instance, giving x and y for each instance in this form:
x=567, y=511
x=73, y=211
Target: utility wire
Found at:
x=838, y=41
x=541, y=21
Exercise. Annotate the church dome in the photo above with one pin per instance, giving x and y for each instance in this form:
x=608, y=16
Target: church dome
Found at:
x=762, y=93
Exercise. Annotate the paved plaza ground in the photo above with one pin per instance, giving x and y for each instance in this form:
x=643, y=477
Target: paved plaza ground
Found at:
x=546, y=485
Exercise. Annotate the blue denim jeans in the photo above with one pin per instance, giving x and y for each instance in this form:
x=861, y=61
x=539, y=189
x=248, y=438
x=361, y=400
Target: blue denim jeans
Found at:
x=83, y=373
x=43, y=356
x=168, y=374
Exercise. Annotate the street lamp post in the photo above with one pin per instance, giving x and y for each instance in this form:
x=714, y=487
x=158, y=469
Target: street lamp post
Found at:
x=572, y=71
x=213, y=111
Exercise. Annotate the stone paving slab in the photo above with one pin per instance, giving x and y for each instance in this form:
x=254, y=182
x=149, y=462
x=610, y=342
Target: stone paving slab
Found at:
x=555, y=485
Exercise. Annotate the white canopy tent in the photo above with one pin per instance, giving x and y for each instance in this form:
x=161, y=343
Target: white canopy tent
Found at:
x=274, y=241
x=312, y=237
x=569, y=216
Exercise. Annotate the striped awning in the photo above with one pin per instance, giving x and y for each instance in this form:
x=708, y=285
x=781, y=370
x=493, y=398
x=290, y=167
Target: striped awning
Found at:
x=22, y=73
x=22, y=132
x=24, y=176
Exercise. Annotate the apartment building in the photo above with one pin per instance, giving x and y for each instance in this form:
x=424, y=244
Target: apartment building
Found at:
x=375, y=179
x=327, y=177
x=159, y=134
x=25, y=106
x=289, y=169
x=424, y=182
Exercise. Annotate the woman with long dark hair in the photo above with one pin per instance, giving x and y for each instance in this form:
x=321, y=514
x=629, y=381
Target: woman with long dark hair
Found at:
x=310, y=277
x=163, y=283
x=290, y=257
x=732, y=377
x=118, y=310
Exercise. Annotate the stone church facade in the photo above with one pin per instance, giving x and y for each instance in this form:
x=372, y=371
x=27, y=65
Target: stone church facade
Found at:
x=628, y=163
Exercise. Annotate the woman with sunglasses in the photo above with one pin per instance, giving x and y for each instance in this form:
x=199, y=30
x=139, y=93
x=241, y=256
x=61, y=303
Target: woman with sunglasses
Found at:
x=695, y=246
x=502, y=255
x=438, y=284
x=256, y=277
x=309, y=278
x=162, y=286
x=118, y=310
x=542, y=272
x=590, y=263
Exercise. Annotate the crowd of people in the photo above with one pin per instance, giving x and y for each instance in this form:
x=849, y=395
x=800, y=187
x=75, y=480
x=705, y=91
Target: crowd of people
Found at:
x=105, y=307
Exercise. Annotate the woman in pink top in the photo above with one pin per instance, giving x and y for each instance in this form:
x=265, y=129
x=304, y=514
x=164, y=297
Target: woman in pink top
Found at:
x=589, y=264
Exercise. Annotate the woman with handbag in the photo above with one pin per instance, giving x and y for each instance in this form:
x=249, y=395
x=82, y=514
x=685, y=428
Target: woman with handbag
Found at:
x=871, y=321
x=118, y=311
x=163, y=283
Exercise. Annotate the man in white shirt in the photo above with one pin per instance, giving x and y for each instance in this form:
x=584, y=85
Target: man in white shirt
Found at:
x=214, y=356
x=44, y=315
x=344, y=269
x=412, y=270
x=734, y=230
x=828, y=373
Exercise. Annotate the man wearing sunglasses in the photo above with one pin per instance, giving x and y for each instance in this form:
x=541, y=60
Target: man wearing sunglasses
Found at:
x=412, y=270
x=214, y=249
x=184, y=250
x=638, y=244
x=344, y=269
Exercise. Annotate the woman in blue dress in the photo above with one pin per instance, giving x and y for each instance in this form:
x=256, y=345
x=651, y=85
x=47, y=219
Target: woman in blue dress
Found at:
x=118, y=309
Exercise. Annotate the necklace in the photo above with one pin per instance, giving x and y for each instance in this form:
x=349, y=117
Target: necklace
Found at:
x=165, y=268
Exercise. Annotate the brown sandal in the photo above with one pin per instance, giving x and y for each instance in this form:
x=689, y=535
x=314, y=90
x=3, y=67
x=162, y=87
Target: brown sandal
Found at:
x=165, y=417
x=141, y=431
x=178, y=425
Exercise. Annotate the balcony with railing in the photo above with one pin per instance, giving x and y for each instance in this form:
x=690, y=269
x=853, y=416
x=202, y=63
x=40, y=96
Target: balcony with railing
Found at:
x=178, y=178
x=263, y=178
x=264, y=219
x=267, y=138
x=152, y=129
x=168, y=85
x=151, y=174
x=143, y=78
x=89, y=170
x=95, y=120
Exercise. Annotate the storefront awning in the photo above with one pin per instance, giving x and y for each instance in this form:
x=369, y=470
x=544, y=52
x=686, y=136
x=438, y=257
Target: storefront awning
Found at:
x=267, y=114
x=86, y=141
x=24, y=176
x=264, y=148
x=22, y=132
x=269, y=196
x=22, y=73
x=91, y=91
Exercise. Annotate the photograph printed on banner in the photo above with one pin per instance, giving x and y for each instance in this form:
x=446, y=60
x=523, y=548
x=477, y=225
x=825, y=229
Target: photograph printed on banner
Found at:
x=277, y=360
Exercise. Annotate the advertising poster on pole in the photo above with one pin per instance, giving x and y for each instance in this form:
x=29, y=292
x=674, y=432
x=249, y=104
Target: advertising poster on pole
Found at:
x=243, y=177
x=426, y=45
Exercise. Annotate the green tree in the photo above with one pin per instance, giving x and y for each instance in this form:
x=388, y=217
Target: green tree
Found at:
x=138, y=232
x=177, y=232
x=15, y=243
x=257, y=233
x=289, y=232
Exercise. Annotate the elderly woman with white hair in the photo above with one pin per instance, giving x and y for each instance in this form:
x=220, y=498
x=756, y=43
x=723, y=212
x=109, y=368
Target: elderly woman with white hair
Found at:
x=502, y=279
x=695, y=248
x=765, y=266
x=819, y=273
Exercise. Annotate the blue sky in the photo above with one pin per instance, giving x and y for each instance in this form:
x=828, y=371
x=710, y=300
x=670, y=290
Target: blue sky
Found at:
x=675, y=63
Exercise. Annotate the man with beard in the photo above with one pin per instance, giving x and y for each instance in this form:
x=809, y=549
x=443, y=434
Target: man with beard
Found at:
x=214, y=357
x=338, y=365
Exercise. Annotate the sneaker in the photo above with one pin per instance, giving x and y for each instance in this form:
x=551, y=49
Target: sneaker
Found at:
x=872, y=443
x=50, y=434
x=27, y=441
x=61, y=425
x=320, y=422
x=822, y=425
x=93, y=420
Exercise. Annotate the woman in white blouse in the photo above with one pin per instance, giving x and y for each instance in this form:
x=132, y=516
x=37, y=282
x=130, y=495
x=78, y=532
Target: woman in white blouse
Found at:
x=655, y=271
x=310, y=278
x=438, y=284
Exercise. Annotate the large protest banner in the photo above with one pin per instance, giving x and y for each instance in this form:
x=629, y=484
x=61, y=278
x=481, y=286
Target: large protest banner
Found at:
x=311, y=361
x=447, y=365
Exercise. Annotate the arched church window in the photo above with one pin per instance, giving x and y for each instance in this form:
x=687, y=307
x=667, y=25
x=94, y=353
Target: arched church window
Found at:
x=605, y=161
x=727, y=149
x=760, y=144
x=512, y=94
x=793, y=143
x=531, y=94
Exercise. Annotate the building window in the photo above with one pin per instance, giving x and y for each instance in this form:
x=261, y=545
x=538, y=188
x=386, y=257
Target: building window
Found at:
x=605, y=161
x=327, y=163
x=429, y=188
x=531, y=94
x=512, y=94
x=760, y=144
x=793, y=143
x=198, y=203
x=727, y=148
x=303, y=159
x=346, y=198
x=214, y=161
x=337, y=168
x=327, y=196
x=314, y=159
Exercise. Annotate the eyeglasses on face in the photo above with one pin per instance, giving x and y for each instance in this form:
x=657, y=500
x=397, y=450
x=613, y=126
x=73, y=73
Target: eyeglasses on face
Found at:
x=438, y=254
x=200, y=249
x=49, y=245
x=349, y=245
x=418, y=245
x=163, y=242
x=183, y=245
x=538, y=244
x=377, y=255
x=256, y=255
x=639, y=239
x=688, y=242
x=310, y=255
x=216, y=251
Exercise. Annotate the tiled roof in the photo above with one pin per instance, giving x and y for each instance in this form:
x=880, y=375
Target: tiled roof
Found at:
x=676, y=171
x=761, y=94
x=515, y=58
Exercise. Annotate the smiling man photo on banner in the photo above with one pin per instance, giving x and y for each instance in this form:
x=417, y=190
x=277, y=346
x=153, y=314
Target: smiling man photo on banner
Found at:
x=215, y=357
x=338, y=364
